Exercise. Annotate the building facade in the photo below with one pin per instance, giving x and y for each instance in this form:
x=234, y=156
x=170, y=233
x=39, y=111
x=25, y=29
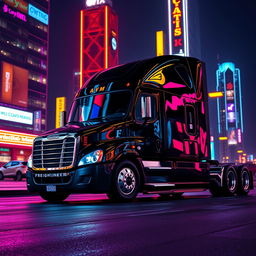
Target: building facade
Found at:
x=23, y=75
x=99, y=38
x=230, y=112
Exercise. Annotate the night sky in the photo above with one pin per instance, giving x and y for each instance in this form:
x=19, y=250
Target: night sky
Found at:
x=227, y=33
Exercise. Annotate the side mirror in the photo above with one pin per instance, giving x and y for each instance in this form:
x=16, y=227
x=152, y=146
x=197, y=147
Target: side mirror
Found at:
x=146, y=107
x=63, y=118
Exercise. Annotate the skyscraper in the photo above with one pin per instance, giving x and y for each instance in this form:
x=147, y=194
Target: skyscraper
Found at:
x=99, y=38
x=230, y=112
x=23, y=75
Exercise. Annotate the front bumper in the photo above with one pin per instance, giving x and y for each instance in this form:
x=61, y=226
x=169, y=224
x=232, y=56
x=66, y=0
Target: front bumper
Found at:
x=89, y=179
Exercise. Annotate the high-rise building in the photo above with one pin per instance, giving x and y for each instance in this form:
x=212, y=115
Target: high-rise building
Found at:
x=99, y=38
x=184, y=28
x=23, y=75
x=230, y=112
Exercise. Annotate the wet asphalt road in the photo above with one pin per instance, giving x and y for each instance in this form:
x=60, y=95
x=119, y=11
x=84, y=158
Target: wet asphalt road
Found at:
x=92, y=225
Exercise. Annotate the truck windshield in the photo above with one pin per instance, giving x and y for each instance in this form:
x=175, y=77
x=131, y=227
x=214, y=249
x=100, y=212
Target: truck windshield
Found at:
x=100, y=107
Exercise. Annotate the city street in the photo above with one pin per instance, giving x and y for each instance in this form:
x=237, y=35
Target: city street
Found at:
x=92, y=225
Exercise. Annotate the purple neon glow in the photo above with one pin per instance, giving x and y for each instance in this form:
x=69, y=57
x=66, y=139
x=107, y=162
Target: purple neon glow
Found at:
x=15, y=14
x=231, y=107
x=172, y=85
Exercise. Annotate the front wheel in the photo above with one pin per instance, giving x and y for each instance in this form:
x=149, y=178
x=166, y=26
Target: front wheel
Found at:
x=1, y=176
x=18, y=176
x=125, y=182
x=54, y=197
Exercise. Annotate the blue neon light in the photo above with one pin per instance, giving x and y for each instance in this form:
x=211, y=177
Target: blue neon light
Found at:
x=212, y=150
x=241, y=104
x=38, y=14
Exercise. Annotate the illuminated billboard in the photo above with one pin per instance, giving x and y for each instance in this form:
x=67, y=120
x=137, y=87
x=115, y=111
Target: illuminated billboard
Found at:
x=232, y=137
x=18, y=4
x=14, y=85
x=178, y=27
x=15, y=115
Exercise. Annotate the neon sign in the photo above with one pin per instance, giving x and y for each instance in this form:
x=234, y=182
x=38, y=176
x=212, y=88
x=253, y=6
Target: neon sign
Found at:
x=15, y=14
x=16, y=138
x=37, y=14
x=178, y=27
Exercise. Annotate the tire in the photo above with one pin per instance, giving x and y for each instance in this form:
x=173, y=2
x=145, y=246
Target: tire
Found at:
x=216, y=190
x=244, y=182
x=230, y=182
x=125, y=182
x=18, y=176
x=1, y=176
x=54, y=197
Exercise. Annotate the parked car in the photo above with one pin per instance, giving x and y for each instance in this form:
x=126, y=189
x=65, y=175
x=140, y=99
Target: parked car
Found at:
x=13, y=169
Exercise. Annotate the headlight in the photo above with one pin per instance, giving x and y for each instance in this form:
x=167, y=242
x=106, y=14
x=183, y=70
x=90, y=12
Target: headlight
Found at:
x=91, y=158
x=29, y=164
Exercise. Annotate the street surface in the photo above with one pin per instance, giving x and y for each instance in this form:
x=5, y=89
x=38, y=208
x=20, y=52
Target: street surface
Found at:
x=92, y=225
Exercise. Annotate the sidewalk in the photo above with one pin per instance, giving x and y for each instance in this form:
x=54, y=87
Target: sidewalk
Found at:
x=8, y=187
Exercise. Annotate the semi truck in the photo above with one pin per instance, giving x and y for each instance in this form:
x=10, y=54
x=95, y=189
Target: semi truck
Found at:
x=142, y=127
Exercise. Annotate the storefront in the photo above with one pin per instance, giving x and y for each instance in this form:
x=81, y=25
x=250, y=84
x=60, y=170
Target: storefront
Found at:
x=15, y=146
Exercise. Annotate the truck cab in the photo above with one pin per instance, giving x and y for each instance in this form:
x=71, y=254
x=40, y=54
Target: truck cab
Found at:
x=138, y=127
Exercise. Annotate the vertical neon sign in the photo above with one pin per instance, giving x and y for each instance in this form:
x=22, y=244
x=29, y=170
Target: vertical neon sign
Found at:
x=178, y=27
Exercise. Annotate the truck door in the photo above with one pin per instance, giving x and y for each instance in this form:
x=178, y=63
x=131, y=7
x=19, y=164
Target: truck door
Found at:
x=148, y=120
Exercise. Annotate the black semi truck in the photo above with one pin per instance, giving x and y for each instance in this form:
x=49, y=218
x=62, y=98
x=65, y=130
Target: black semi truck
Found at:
x=138, y=127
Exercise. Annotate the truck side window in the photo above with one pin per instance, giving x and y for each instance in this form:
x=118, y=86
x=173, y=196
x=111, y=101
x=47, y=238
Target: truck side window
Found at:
x=142, y=112
x=190, y=119
x=184, y=76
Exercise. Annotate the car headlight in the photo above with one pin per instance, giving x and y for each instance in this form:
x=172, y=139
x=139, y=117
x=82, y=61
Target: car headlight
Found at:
x=29, y=164
x=91, y=158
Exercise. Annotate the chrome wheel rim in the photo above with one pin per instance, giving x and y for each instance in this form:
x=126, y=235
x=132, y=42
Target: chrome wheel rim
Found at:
x=126, y=181
x=231, y=181
x=245, y=180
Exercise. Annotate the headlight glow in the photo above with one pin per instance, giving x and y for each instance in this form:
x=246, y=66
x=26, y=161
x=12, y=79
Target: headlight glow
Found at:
x=29, y=164
x=91, y=158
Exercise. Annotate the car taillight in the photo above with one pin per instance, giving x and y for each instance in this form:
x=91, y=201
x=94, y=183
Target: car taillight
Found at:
x=23, y=166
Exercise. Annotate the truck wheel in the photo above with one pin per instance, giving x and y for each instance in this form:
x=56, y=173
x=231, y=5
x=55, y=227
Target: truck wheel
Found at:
x=1, y=176
x=215, y=189
x=244, y=182
x=125, y=182
x=18, y=176
x=53, y=197
x=230, y=181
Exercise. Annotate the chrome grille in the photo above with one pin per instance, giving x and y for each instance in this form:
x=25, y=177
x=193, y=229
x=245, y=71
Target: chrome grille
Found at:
x=57, y=153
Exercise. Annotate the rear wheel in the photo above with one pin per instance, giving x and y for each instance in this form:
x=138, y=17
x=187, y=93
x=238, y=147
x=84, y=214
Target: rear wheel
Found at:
x=18, y=176
x=230, y=181
x=54, y=197
x=1, y=176
x=244, y=182
x=125, y=182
